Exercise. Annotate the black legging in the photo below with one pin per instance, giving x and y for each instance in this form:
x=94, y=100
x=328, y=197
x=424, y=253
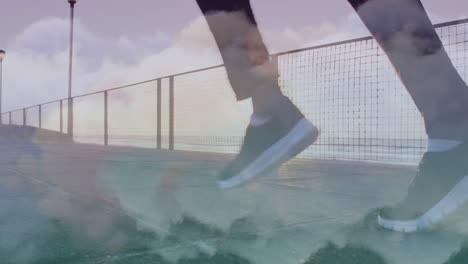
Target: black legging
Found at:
x=208, y=6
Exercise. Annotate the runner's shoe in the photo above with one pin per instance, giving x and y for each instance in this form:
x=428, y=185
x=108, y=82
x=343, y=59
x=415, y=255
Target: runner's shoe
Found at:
x=268, y=145
x=439, y=188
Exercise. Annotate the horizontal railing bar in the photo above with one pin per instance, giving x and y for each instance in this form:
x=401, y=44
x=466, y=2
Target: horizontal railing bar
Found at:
x=33, y=106
x=451, y=23
x=51, y=102
x=149, y=81
x=337, y=43
x=323, y=46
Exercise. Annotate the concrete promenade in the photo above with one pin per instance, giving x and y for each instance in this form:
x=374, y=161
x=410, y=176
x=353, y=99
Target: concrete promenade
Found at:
x=279, y=218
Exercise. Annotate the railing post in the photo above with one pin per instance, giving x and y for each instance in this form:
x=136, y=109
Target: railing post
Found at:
x=171, y=113
x=9, y=117
x=158, y=115
x=70, y=117
x=61, y=116
x=40, y=116
x=106, y=119
x=24, y=116
x=274, y=60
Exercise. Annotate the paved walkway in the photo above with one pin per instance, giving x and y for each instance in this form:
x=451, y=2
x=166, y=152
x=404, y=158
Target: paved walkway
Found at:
x=279, y=218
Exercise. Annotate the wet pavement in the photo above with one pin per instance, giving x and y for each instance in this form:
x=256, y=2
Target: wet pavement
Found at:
x=76, y=203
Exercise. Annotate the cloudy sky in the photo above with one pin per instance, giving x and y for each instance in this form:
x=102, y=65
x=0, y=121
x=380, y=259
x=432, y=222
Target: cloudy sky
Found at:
x=118, y=41
x=116, y=18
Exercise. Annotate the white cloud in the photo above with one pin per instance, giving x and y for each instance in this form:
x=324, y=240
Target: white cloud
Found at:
x=36, y=67
x=36, y=70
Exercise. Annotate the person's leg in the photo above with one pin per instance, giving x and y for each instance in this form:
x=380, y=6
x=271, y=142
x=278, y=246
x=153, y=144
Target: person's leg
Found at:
x=404, y=31
x=251, y=72
x=278, y=131
x=406, y=34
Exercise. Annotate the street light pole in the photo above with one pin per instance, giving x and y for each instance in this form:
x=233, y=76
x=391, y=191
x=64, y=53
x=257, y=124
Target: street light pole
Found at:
x=2, y=56
x=70, y=69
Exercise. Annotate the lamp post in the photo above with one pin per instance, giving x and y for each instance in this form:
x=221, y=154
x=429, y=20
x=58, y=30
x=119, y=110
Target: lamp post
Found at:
x=70, y=68
x=2, y=56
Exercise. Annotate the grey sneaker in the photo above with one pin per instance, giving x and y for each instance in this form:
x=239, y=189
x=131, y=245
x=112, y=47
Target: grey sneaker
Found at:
x=439, y=188
x=267, y=146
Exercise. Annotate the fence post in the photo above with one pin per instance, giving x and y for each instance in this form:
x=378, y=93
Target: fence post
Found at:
x=274, y=60
x=70, y=117
x=24, y=116
x=158, y=114
x=106, y=119
x=40, y=116
x=171, y=113
x=9, y=117
x=61, y=116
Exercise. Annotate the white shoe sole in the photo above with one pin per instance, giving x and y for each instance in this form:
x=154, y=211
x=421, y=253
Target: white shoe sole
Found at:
x=453, y=200
x=301, y=136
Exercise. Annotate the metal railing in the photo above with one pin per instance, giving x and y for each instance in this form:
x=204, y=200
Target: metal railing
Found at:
x=347, y=88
